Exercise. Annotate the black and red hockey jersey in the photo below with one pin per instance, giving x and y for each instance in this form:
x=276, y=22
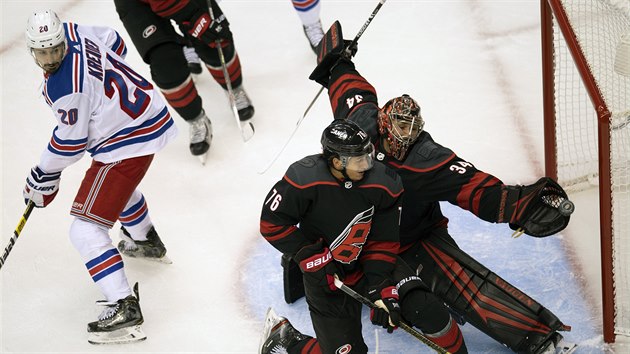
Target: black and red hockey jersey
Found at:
x=358, y=221
x=430, y=172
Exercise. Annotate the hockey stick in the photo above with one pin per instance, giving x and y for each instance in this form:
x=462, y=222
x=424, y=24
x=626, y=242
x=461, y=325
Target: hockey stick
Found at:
x=17, y=231
x=246, y=128
x=365, y=301
x=347, y=52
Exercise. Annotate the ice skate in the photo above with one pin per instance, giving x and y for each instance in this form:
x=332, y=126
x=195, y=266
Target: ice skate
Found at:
x=119, y=322
x=314, y=33
x=194, y=63
x=243, y=104
x=152, y=249
x=200, y=136
x=557, y=345
x=243, y=111
x=278, y=334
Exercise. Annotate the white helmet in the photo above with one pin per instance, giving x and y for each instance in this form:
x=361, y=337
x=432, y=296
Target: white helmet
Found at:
x=44, y=30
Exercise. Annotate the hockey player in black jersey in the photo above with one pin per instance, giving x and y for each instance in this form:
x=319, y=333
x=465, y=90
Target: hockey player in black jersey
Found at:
x=337, y=213
x=432, y=173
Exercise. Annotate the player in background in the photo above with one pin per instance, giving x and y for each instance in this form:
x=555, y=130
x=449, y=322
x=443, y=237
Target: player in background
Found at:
x=148, y=23
x=88, y=85
x=432, y=173
x=337, y=213
x=308, y=11
x=309, y=14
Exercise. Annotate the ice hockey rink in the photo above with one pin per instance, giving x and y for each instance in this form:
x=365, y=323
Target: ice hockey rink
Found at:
x=474, y=67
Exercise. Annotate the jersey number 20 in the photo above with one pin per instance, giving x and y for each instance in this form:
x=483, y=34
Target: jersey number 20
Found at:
x=114, y=81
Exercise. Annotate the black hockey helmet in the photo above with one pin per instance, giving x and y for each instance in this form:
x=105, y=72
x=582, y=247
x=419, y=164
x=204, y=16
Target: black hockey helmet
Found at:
x=344, y=139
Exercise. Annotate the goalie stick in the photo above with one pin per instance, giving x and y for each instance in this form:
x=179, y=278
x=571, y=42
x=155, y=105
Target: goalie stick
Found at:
x=347, y=52
x=17, y=232
x=246, y=127
x=365, y=301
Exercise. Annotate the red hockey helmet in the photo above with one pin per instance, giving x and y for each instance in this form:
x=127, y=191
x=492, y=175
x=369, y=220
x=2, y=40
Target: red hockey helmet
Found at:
x=400, y=123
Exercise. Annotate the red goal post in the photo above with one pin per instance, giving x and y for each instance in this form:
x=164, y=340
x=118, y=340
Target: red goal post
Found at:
x=586, y=88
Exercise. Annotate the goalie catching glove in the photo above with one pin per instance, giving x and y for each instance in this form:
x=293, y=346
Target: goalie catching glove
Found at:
x=330, y=51
x=388, y=313
x=41, y=187
x=541, y=209
x=317, y=265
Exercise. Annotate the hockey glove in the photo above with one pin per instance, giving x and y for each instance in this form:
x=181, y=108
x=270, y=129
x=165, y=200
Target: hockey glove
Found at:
x=541, y=209
x=201, y=26
x=331, y=49
x=317, y=265
x=388, y=313
x=41, y=187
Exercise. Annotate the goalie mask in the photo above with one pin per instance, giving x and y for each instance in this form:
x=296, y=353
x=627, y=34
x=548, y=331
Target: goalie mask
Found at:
x=400, y=124
x=46, y=40
x=347, y=142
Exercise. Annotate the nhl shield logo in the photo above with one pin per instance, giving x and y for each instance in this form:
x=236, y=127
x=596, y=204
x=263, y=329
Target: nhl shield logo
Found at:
x=348, y=184
x=380, y=156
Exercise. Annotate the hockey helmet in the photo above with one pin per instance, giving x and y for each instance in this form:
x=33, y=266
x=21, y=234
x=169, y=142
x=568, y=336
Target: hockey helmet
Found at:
x=349, y=143
x=400, y=123
x=46, y=37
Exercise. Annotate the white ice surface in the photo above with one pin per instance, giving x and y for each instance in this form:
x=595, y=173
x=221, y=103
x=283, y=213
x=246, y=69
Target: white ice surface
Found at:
x=474, y=66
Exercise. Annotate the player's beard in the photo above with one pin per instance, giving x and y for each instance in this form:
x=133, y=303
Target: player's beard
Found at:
x=51, y=68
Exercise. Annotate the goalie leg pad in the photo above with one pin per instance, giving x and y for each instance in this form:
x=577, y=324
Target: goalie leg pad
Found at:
x=487, y=301
x=292, y=279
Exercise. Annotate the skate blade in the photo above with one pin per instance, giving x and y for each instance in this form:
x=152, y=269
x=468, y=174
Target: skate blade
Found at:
x=247, y=130
x=271, y=318
x=202, y=158
x=119, y=336
x=164, y=260
x=565, y=347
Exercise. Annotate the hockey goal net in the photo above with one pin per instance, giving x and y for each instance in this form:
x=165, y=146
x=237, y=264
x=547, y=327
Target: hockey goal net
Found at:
x=586, y=84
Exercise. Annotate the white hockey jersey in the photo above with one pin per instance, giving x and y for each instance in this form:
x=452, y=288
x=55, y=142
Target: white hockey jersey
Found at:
x=102, y=106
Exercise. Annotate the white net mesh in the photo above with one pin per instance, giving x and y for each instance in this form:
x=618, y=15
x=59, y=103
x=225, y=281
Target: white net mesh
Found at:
x=601, y=27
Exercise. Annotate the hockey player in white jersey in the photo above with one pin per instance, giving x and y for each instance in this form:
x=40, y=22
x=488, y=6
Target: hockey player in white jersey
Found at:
x=106, y=109
x=308, y=11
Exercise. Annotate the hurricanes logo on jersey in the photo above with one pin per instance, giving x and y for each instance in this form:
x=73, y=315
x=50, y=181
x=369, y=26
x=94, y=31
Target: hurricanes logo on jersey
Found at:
x=348, y=245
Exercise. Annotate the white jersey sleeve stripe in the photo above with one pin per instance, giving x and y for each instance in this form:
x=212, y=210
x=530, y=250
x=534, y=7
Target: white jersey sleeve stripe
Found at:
x=148, y=130
x=66, y=147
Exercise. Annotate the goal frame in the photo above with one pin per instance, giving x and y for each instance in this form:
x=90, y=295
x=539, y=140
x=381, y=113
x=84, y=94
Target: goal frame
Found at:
x=551, y=9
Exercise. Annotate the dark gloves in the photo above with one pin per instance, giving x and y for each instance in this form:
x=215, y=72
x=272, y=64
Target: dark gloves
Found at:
x=388, y=315
x=201, y=26
x=539, y=210
x=317, y=265
x=331, y=50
